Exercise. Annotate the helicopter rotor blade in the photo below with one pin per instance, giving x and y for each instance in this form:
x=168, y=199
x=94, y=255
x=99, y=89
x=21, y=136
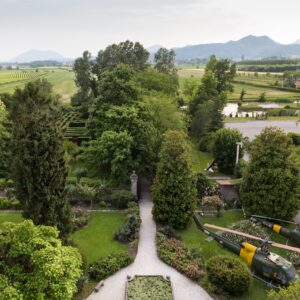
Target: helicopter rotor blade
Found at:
x=274, y=219
x=286, y=247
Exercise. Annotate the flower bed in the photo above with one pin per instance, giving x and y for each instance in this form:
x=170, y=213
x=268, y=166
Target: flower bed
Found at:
x=149, y=287
x=174, y=253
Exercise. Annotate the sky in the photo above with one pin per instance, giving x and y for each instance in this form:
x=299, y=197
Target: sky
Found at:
x=71, y=26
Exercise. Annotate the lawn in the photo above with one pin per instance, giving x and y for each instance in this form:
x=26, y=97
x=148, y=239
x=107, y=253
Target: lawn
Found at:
x=97, y=238
x=10, y=217
x=200, y=160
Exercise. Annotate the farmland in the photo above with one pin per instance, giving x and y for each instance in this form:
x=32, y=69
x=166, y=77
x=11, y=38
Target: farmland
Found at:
x=62, y=80
x=254, y=85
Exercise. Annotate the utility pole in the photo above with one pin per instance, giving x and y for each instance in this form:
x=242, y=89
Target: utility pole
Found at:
x=238, y=145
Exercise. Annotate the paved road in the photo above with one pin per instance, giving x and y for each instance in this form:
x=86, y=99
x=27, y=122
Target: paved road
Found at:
x=252, y=128
x=147, y=263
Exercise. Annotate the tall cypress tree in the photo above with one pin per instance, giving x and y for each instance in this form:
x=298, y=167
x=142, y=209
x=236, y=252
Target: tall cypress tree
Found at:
x=173, y=190
x=39, y=166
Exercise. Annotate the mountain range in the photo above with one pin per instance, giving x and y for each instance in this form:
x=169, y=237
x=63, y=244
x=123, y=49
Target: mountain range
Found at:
x=249, y=47
x=38, y=55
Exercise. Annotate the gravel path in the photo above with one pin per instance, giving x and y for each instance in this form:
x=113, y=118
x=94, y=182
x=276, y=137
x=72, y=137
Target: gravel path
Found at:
x=147, y=263
x=252, y=128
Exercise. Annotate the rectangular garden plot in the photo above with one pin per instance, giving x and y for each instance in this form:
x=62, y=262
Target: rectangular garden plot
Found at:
x=148, y=287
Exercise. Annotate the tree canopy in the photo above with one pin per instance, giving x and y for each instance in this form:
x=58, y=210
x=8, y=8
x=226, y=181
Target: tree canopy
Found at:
x=173, y=190
x=37, y=145
x=35, y=265
x=271, y=180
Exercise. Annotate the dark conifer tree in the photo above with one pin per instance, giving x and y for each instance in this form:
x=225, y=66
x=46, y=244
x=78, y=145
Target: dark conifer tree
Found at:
x=39, y=167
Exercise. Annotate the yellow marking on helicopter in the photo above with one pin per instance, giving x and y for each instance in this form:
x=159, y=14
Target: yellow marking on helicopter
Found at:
x=276, y=228
x=247, y=252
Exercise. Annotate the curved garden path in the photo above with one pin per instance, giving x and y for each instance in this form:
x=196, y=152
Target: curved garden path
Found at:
x=148, y=263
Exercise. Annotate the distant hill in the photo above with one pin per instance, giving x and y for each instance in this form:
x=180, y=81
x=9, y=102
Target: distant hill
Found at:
x=250, y=47
x=297, y=42
x=37, y=55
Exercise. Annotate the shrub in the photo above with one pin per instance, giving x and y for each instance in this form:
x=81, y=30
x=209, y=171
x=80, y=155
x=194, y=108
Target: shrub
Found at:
x=205, y=142
x=80, y=218
x=202, y=184
x=129, y=232
x=120, y=199
x=295, y=138
x=6, y=203
x=6, y=183
x=108, y=265
x=290, y=293
x=228, y=274
x=169, y=232
x=239, y=168
x=224, y=149
x=174, y=253
x=79, y=173
x=213, y=201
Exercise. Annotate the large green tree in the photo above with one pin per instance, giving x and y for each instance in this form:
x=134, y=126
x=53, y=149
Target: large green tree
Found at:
x=224, y=149
x=35, y=265
x=128, y=53
x=85, y=81
x=39, y=166
x=173, y=190
x=165, y=61
x=207, y=105
x=271, y=180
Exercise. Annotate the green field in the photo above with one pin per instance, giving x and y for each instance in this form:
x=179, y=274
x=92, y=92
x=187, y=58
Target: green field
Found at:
x=261, y=81
x=62, y=80
x=97, y=238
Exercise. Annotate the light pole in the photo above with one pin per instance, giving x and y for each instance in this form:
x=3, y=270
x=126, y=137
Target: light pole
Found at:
x=238, y=146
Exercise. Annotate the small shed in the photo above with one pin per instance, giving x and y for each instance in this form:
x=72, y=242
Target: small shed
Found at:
x=297, y=84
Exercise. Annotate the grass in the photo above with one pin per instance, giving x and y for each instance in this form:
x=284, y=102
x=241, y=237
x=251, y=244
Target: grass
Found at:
x=97, y=238
x=194, y=238
x=253, y=93
x=200, y=160
x=61, y=79
x=11, y=217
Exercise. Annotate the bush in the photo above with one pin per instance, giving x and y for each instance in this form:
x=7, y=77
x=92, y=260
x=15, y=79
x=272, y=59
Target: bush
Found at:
x=120, y=199
x=205, y=142
x=228, y=274
x=169, y=232
x=239, y=168
x=174, y=253
x=80, y=218
x=213, y=201
x=202, y=184
x=295, y=138
x=6, y=203
x=6, y=183
x=130, y=230
x=290, y=293
x=108, y=265
x=224, y=149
